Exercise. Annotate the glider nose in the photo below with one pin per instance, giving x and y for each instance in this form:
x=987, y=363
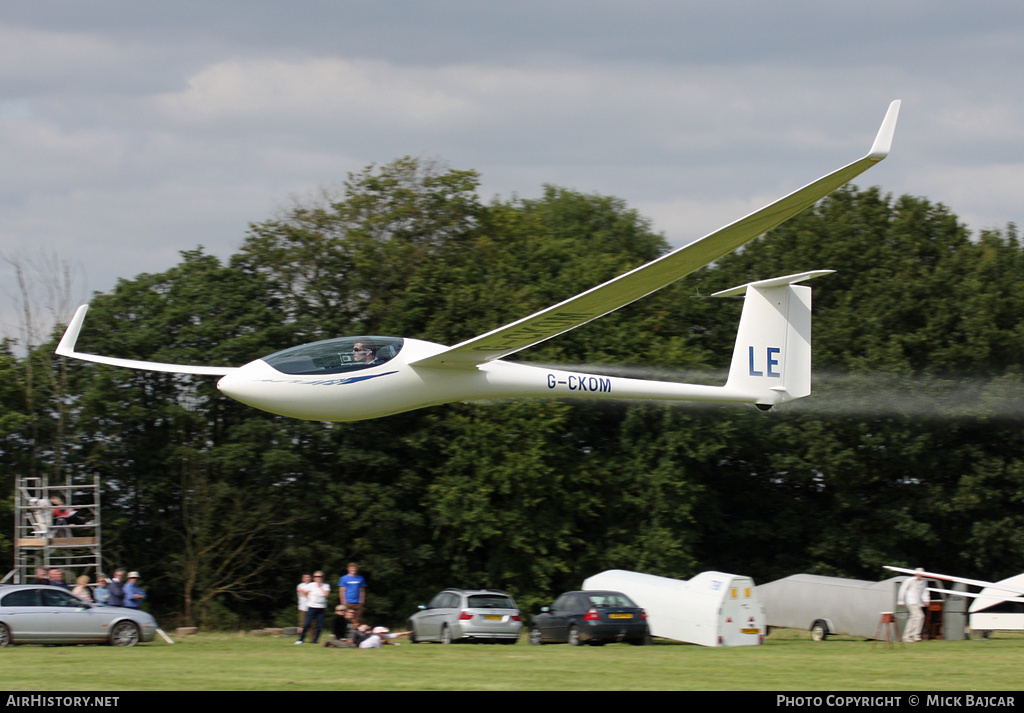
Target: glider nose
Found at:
x=258, y=385
x=240, y=385
x=228, y=385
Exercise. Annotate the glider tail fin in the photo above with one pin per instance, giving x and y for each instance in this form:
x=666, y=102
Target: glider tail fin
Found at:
x=772, y=357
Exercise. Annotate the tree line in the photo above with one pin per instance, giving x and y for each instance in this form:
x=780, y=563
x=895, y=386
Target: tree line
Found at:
x=908, y=453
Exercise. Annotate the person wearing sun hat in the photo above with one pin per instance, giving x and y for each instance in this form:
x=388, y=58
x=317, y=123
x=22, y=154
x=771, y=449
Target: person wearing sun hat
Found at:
x=133, y=593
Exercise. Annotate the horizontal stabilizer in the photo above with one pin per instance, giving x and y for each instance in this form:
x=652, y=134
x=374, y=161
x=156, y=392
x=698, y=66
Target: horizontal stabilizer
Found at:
x=773, y=282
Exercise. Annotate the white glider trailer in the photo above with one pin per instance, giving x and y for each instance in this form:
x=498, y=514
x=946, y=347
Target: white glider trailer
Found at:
x=852, y=607
x=712, y=609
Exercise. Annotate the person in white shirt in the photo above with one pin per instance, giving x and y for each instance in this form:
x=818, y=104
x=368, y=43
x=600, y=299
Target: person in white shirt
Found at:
x=914, y=595
x=316, y=599
x=303, y=602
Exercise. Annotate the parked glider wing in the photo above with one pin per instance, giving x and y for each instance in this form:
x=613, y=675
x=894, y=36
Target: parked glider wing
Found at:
x=653, y=276
x=964, y=580
x=978, y=595
x=70, y=338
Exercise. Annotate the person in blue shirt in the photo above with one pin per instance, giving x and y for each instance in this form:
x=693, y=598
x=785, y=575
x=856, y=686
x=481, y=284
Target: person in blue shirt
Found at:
x=101, y=595
x=133, y=593
x=353, y=588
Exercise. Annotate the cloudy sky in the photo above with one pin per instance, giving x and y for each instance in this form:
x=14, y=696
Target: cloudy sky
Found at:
x=133, y=129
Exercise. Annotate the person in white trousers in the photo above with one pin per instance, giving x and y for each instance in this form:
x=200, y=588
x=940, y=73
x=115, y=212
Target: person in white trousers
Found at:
x=914, y=595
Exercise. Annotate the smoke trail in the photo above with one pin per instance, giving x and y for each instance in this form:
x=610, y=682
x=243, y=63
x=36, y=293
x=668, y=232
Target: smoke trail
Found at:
x=871, y=395
x=866, y=395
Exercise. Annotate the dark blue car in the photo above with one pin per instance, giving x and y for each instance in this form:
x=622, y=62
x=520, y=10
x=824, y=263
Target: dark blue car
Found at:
x=596, y=617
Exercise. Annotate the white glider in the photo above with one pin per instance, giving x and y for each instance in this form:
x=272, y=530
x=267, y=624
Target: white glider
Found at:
x=355, y=378
x=996, y=606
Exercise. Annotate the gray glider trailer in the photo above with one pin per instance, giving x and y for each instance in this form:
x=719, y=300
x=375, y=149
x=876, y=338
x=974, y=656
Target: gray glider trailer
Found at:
x=835, y=605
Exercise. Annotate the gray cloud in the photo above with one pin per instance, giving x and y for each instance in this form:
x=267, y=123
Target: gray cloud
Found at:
x=133, y=130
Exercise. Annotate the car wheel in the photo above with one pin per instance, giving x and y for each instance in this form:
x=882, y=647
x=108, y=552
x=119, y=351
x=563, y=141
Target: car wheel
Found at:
x=412, y=633
x=574, y=636
x=124, y=633
x=5, y=635
x=446, y=635
x=536, y=638
x=819, y=631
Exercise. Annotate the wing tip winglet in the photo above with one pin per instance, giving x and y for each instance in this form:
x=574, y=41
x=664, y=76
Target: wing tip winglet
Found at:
x=883, y=140
x=66, y=347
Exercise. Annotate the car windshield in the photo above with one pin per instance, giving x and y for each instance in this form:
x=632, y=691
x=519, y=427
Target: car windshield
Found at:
x=610, y=599
x=490, y=601
x=336, y=356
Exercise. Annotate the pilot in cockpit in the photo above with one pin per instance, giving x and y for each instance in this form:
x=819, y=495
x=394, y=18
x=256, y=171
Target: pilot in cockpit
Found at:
x=365, y=352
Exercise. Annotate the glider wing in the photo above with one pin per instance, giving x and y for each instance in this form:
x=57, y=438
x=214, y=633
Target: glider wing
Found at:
x=70, y=338
x=964, y=580
x=648, y=278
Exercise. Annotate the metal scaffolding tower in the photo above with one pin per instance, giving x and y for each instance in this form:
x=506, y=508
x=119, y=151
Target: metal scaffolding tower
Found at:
x=56, y=526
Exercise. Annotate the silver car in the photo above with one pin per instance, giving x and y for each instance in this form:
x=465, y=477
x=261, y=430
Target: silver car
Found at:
x=467, y=614
x=41, y=614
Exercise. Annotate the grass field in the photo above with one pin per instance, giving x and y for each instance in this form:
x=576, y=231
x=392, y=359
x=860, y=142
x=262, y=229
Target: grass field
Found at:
x=787, y=661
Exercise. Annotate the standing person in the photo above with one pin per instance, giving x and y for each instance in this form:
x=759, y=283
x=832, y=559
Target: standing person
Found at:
x=116, y=587
x=42, y=575
x=316, y=593
x=133, y=593
x=40, y=517
x=102, y=592
x=57, y=579
x=81, y=589
x=354, y=590
x=61, y=517
x=300, y=591
x=914, y=594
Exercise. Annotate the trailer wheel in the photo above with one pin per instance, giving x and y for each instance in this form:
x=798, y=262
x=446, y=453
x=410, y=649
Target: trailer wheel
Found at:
x=819, y=630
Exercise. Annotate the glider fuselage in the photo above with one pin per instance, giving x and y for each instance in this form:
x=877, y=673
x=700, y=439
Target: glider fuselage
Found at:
x=338, y=393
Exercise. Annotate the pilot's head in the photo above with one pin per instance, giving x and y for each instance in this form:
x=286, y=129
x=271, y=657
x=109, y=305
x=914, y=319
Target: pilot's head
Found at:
x=364, y=351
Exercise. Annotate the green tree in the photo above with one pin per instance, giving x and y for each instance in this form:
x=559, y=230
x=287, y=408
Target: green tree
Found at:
x=534, y=496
